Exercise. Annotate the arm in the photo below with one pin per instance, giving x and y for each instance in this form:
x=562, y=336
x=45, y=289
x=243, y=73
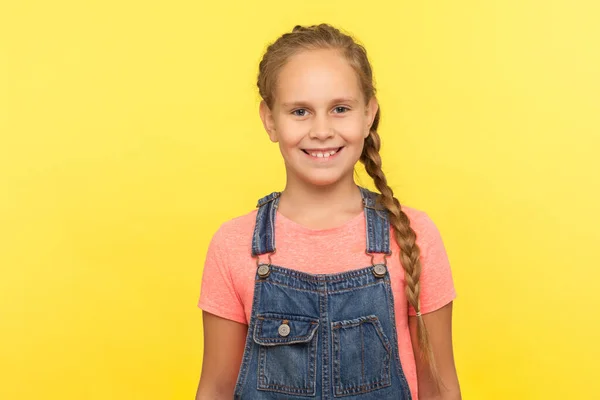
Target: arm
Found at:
x=439, y=327
x=224, y=342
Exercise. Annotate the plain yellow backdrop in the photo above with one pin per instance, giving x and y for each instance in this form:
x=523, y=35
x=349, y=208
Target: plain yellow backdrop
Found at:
x=130, y=132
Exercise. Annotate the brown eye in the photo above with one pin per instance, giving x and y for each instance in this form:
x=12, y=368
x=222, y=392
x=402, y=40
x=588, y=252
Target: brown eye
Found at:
x=342, y=108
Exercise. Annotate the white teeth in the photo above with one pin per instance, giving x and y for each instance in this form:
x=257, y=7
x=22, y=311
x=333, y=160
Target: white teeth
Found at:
x=321, y=155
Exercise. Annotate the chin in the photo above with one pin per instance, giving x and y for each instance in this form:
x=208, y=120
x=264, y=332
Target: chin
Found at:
x=321, y=180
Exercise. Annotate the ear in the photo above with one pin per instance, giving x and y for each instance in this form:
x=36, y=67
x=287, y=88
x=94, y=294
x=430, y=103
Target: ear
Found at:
x=370, y=113
x=268, y=122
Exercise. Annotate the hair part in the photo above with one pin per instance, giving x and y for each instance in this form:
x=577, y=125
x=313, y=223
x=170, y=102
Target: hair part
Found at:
x=325, y=36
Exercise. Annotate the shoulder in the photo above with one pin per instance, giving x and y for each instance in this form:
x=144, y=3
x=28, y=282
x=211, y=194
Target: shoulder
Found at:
x=418, y=218
x=236, y=228
x=423, y=225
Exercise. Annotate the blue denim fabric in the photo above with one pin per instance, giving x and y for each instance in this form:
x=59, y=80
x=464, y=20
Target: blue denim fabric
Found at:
x=322, y=336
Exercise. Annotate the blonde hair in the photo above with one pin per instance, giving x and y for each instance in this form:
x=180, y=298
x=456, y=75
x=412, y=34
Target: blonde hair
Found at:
x=324, y=36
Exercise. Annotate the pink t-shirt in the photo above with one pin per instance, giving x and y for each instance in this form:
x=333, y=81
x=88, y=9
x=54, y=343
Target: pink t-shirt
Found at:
x=228, y=282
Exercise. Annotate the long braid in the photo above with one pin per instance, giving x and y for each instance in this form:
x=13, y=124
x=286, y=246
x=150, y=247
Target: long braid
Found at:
x=405, y=237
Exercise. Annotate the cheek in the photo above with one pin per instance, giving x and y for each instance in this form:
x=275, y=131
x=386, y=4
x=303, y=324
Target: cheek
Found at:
x=291, y=134
x=353, y=130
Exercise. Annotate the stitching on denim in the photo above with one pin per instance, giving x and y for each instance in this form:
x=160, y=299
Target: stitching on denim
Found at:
x=255, y=235
x=337, y=291
x=249, y=348
x=271, y=223
x=335, y=277
x=362, y=354
x=384, y=381
x=337, y=357
x=312, y=368
x=264, y=221
x=396, y=350
x=277, y=387
x=362, y=389
x=325, y=373
x=285, y=340
x=268, y=198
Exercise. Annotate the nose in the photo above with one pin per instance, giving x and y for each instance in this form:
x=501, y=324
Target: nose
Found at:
x=321, y=128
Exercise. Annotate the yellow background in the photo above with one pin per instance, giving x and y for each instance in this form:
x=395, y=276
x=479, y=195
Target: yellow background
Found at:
x=130, y=131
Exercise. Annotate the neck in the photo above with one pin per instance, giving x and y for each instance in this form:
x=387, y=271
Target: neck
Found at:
x=304, y=198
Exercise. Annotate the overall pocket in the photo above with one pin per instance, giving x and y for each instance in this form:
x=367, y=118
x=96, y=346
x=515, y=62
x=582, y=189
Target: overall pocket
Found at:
x=361, y=356
x=287, y=353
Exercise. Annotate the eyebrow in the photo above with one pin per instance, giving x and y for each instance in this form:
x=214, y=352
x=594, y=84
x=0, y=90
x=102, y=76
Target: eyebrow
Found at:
x=334, y=101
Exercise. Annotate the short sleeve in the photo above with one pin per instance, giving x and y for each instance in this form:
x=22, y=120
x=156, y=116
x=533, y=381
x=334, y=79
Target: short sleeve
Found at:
x=437, y=285
x=217, y=293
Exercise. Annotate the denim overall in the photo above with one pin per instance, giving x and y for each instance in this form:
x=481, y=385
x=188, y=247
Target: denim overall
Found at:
x=322, y=336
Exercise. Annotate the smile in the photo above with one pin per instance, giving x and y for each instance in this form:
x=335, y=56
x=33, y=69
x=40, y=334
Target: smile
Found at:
x=322, y=153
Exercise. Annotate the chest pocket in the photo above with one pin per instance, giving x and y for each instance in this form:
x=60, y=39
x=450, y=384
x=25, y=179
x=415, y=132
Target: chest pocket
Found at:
x=287, y=353
x=361, y=356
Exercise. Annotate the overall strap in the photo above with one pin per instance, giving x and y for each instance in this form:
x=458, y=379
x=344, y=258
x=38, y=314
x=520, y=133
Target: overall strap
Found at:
x=376, y=218
x=263, y=239
x=377, y=223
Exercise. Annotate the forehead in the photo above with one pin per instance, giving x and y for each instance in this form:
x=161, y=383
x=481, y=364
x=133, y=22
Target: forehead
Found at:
x=317, y=75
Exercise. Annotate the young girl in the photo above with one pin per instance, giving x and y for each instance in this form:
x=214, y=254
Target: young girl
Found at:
x=327, y=289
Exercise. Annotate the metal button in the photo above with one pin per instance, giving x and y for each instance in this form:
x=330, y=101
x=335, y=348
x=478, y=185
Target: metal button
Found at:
x=284, y=330
x=379, y=270
x=264, y=270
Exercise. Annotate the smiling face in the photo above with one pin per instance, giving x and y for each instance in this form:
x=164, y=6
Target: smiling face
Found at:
x=319, y=117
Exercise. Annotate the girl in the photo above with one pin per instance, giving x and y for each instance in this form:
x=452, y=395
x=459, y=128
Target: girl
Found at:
x=327, y=289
